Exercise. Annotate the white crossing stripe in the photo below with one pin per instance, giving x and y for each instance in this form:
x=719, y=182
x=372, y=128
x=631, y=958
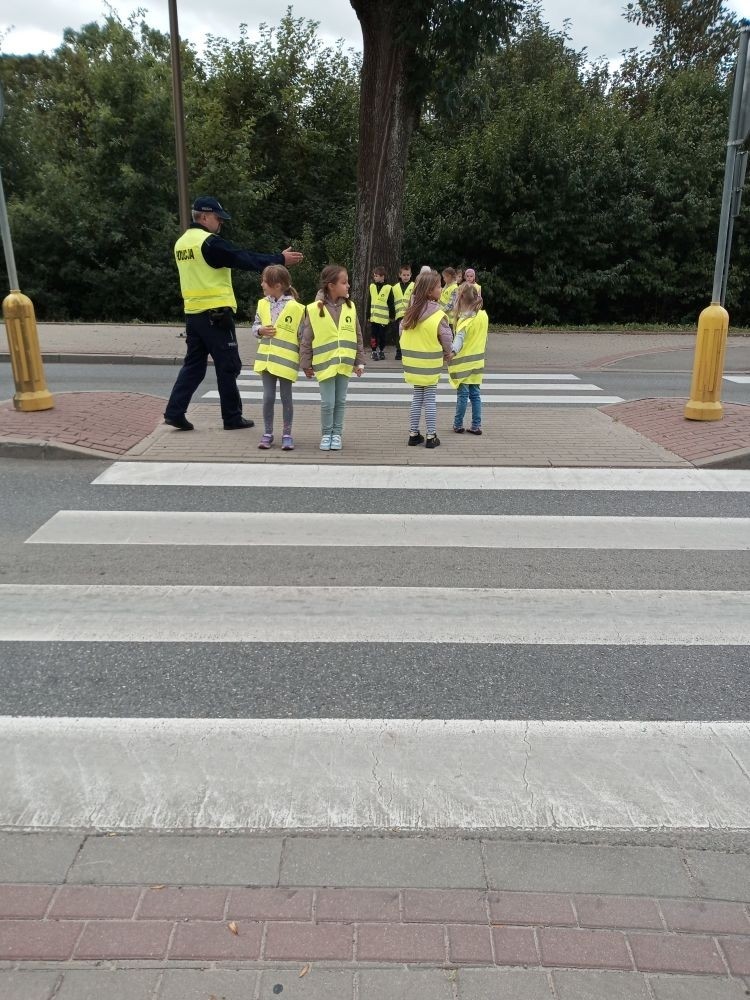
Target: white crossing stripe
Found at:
x=95, y=613
x=511, y=531
x=386, y=397
x=497, y=389
x=742, y=379
x=272, y=774
x=487, y=377
x=405, y=477
x=361, y=387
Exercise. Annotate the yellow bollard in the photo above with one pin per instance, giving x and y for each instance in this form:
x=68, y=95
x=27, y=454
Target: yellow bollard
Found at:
x=708, y=365
x=25, y=357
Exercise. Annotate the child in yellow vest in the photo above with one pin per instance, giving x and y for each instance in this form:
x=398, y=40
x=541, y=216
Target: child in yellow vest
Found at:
x=331, y=349
x=448, y=293
x=402, y=292
x=426, y=342
x=277, y=326
x=466, y=366
x=381, y=313
x=470, y=278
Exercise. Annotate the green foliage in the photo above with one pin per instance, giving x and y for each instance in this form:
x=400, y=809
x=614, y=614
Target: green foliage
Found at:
x=580, y=195
x=271, y=129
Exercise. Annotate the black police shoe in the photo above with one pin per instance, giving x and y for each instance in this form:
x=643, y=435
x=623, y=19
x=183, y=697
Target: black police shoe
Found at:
x=180, y=423
x=242, y=422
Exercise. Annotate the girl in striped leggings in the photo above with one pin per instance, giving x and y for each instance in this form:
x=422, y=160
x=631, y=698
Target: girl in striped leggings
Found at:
x=426, y=342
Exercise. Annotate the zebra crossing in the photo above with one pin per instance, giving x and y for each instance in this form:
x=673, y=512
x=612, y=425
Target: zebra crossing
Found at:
x=375, y=621
x=498, y=389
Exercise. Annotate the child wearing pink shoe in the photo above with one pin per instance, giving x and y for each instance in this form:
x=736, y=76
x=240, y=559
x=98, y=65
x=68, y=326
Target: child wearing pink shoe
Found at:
x=277, y=326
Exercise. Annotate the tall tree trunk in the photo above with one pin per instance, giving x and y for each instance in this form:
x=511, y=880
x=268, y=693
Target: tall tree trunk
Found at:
x=387, y=118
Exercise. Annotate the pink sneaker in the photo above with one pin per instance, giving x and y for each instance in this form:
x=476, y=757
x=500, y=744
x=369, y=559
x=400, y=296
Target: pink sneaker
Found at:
x=266, y=441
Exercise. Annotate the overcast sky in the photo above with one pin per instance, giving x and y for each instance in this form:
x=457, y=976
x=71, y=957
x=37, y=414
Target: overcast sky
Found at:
x=37, y=26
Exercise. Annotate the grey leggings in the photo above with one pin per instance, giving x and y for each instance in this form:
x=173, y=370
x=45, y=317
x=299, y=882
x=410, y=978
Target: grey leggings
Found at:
x=424, y=395
x=269, y=399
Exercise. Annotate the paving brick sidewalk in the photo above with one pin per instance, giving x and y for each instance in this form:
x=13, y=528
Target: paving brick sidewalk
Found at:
x=98, y=423
x=92, y=926
x=700, y=442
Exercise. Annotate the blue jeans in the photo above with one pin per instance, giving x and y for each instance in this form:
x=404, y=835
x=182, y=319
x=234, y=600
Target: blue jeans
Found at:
x=464, y=393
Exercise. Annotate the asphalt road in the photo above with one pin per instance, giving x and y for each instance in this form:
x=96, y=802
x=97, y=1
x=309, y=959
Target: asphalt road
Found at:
x=158, y=380
x=362, y=680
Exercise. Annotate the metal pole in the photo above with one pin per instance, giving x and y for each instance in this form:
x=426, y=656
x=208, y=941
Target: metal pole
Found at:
x=733, y=145
x=10, y=260
x=179, y=117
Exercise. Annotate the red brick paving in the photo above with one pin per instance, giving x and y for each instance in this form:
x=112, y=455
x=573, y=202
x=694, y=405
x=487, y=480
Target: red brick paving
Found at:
x=662, y=421
x=676, y=953
x=737, y=952
x=271, y=904
x=357, y=905
x=215, y=941
x=110, y=422
x=288, y=941
x=461, y=927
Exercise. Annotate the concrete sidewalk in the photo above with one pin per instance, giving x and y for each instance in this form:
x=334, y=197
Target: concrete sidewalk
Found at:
x=645, y=433
x=239, y=916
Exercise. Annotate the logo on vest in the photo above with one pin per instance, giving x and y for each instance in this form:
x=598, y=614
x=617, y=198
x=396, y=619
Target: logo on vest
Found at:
x=185, y=254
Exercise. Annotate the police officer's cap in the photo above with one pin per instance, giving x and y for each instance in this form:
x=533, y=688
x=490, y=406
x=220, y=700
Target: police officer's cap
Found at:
x=205, y=204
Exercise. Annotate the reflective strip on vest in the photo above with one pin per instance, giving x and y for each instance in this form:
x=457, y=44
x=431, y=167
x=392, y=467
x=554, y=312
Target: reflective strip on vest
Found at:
x=468, y=365
x=279, y=355
x=379, y=304
x=334, y=348
x=421, y=351
x=203, y=287
x=401, y=299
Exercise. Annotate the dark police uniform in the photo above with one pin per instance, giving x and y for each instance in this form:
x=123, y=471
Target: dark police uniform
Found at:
x=204, y=262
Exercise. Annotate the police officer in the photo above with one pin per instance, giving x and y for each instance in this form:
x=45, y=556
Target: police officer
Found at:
x=204, y=263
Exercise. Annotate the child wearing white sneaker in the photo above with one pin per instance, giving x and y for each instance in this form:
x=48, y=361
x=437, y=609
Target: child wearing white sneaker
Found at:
x=277, y=325
x=331, y=349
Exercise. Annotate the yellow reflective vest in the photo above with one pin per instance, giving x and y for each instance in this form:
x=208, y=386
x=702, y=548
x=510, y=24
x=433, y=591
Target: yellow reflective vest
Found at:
x=279, y=355
x=447, y=294
x=334, y=348
x=468, y=365
x=379, y=304
x=422, y=352
x=203, y=287
x=401, y=299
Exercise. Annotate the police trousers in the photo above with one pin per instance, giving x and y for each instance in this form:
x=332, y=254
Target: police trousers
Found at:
x=209, y=333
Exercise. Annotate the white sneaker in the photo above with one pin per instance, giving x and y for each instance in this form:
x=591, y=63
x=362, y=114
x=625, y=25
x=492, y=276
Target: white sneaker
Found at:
x=336, y=444
x=325, y=442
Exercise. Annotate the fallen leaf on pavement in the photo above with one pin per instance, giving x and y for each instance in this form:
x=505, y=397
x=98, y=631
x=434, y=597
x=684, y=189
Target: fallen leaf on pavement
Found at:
x=305, y=970
x=233, y=927
x=155, y=887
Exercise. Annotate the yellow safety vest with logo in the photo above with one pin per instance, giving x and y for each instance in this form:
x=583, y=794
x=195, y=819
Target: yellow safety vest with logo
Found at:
x=468, y=365
x=334, y=348
x=279, y=355
x=203, y=287
x=447, y=294
x=422, y=352
x=401, y=299
x=379, y=304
